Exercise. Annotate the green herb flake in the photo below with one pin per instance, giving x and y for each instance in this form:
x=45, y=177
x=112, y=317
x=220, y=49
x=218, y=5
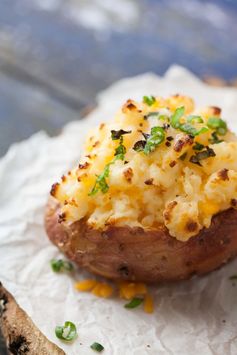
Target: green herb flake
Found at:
x=97, y=347
x=157, y=115
x=189, y=129
x=149, y=100
x=156, y=137
x=218, y=125
x=233, y=277
x=194, y=118
x=135, y=302
x=68, y=332
x=198, y=146
x=215, y=139
x=175, y=118
x=101, y=183
x=115, y=135
x=183, y=156
x=195, y=159
x=61, y=265
x=139, y=146
x=120, y=151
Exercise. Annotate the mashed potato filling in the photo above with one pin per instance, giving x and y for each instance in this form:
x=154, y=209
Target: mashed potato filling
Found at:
x=159, y=162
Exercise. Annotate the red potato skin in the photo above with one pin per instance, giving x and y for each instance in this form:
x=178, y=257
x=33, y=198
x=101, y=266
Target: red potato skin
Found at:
x=140, y=255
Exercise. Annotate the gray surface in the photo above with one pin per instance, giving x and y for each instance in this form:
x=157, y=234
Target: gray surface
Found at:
x=55, y=55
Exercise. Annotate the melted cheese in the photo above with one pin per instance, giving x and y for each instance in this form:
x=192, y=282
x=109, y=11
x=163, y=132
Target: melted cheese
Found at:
x=154, y=189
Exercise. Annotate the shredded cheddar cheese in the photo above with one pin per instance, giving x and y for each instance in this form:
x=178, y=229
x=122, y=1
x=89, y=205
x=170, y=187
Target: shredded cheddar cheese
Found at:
x=126, y=290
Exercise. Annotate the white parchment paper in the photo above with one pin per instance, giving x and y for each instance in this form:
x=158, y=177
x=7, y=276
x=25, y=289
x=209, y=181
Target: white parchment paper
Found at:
x=192, y=317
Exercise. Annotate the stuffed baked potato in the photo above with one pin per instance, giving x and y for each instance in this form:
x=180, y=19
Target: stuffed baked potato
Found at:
x=155, y=196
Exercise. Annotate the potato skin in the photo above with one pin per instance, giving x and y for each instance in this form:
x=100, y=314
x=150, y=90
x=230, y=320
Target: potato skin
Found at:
x=141, y=255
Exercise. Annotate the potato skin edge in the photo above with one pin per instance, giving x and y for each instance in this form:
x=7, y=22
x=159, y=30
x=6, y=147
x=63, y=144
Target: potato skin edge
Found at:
x=139, y=255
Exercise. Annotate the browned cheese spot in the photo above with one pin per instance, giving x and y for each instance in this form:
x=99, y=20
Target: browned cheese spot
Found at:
x=54, y=189
x=128, y=174
x=182, y=142
x=84, y=165
x=149, y=181
x=129, y=106
x=223, y=174
x=216, y=111
x=102, y=126
x=96, y=144
x=168, y=210
x=172, y=163
x=191, y=226
x=64, y=178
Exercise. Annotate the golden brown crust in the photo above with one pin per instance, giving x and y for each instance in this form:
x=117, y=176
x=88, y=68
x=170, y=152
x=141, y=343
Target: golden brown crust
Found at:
x=149, y=256
x=19, y=332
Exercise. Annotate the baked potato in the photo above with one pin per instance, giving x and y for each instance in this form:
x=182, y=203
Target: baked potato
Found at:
x=155, y=196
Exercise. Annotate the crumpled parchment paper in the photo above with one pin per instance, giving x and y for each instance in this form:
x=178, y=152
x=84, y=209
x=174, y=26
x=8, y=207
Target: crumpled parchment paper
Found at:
x=192, y=317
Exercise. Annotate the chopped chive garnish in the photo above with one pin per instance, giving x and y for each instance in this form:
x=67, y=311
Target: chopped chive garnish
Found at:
x=157, y=115
x=68, y=332
x=97, y=347
x=139, y=146
x=149, y=100
x=183, y=156
x=186, y=127
x=198, y=146
x=194, y=118
x=101, y=181
x=118, y=134
x=233, y=277
x=215, y=139
x=135, y=302
x=175, y=118
x=195, y=159
x=156, y=137
x=61, y=265
x=218, y=124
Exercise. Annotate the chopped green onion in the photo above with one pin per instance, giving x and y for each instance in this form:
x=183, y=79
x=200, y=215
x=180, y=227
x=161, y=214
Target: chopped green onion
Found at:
x=195, y=159
x=198, y=146
x=156, y=137
x=139, y=146
x=157, y=115
x=149, y=100
x=135, y=302
x=97, y=347
x=118, y=134
x=61, y=265
x=215, y=139
x=183, y=156
x=194, y=118
x=68, y=332
x=101, y=183
x=187, y=128
x=218, y=124
x=233, y=277
x=175, y=118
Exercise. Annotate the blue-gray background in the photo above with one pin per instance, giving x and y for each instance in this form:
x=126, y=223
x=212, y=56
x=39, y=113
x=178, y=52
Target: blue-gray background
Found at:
x=55, y=55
